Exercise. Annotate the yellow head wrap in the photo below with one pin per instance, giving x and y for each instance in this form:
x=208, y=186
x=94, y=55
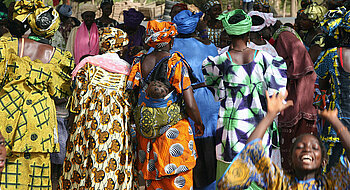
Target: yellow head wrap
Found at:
x=315, y=12
x=44, y=21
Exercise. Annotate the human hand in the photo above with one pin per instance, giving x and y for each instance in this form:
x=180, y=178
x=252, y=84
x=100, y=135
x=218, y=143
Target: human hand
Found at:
x=276, y=103
x=329, y=115
x=199, y=129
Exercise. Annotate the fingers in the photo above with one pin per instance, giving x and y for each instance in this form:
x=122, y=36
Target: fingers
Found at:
x=289, y=103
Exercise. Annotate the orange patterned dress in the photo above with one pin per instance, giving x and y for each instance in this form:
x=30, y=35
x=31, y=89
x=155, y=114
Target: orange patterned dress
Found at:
x=165, y=162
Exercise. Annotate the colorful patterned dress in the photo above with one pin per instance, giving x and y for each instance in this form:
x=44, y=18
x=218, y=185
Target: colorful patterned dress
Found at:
x=254, y=165
x=241, y=90
x=165, y=162
x=99, y=148
x=328, y=66
x=28, y=114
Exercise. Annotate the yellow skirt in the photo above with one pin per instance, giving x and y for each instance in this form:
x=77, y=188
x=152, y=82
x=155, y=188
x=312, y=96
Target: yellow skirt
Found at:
x=27, y=171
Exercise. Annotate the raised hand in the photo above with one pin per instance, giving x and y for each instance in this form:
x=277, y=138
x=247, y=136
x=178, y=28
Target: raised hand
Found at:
x=276, y=103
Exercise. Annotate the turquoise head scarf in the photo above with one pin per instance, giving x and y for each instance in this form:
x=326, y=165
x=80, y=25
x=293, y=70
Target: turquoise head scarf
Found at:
x=239, y=28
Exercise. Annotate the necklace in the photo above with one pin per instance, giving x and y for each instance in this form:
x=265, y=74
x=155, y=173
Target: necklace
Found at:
x=239, y=50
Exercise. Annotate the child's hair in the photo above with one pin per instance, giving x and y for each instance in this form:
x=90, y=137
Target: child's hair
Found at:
x=323, y=148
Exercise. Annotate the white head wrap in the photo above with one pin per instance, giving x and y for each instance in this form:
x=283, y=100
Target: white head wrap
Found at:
x=268, y=20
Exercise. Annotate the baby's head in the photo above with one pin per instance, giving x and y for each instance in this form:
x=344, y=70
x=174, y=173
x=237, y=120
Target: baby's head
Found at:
x=2, y=152
x=309, y=155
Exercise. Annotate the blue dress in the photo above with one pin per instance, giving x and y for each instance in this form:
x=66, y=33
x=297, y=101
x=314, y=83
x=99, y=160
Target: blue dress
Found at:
x=195, y=52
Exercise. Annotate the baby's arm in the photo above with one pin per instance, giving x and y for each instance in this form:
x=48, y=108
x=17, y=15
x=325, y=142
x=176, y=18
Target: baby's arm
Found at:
x=275, y=104
x=342, y=131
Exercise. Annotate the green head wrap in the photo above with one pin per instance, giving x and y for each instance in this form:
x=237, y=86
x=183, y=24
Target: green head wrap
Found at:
x=239, y=28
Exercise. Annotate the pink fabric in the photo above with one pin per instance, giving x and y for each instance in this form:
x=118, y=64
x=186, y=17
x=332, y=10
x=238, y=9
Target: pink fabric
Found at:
x=109, y=61
x=84, y=44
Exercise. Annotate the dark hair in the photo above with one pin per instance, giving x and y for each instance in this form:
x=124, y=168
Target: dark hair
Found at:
x=257, y=20
x=345, y=38
x=103, y=3
x=323, y=148
x=234, y=19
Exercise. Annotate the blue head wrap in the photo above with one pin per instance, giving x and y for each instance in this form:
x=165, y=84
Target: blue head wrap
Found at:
x=186, y=21
x=65, y=10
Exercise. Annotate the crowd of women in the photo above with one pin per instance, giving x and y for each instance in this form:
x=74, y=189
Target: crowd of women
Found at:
x=228, y=100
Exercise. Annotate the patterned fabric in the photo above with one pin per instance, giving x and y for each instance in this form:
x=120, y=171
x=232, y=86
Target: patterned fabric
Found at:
x=264, y=3
x=160, y=33
x=214, y=35
x=27, y=171
x=30, y=126
x=173, y=153
x=210, y=4
x=241, y=90
x=283, y=29
x=112, y=39
x=328, y=66
x=44, y=21
x=254, y=165
x=333, y=19
x=315, y=12
x=99, y=149
x=100, y=24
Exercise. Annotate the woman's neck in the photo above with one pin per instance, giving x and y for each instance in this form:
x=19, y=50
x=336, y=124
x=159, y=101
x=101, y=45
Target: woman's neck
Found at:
x=238, y=44
x=257, y=39
x=303, y=175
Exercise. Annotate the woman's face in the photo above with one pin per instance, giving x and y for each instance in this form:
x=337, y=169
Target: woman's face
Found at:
x=305, y=23
x=215, y=11
x=2, y=153
x=307, y=154
x=89, y=18
x=106, y=9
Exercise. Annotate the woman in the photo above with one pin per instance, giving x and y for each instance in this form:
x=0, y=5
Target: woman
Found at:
x=313, y=38
x=83, y=40
x=99, y=149
x=136, y=33
x=194, y=51
x=239, y=77
x=308, y=158
x=31, y=129
x=161, y=81
x=105, y=21
x=214, y=26
x=333, y=65
x=301, y=118
x=259, y=22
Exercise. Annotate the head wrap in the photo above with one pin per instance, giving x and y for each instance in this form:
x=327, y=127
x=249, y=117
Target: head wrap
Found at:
x=186, y=21
x=65, y=10
x=315, y=12
x=210, y=4
x=239, y=28
x=112, y=39
x=159, y=34
x=182, y=6
x=87, y=7
x=268, y=20
x=333, y=20
x=44, y=21
x=133, y=18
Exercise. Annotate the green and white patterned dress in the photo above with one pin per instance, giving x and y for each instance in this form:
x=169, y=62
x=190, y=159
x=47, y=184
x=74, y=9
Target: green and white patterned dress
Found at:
x=241, y=91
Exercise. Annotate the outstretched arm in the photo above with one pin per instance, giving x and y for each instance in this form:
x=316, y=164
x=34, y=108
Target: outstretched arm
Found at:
x=275, y=105
x=192, y=111
x=342, y=131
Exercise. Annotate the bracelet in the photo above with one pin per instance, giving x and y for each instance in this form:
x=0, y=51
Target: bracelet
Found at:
x=342, y=129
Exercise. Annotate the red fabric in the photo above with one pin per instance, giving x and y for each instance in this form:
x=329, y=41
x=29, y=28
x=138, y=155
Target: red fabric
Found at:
x=341, y=56
x=55, y=2
x=301, y=79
